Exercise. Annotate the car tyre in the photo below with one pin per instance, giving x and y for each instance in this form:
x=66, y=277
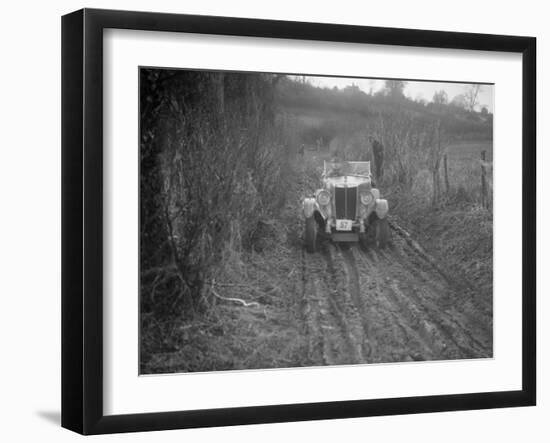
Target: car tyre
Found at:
x=364, y=241
x=382, y=232
x=311, y=234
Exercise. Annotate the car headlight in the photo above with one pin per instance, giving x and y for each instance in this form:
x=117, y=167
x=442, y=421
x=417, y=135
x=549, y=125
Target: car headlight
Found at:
x=366, y=198
x=323, y=198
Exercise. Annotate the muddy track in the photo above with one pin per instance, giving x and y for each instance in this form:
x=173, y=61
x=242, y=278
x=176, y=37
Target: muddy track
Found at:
x=390, y=305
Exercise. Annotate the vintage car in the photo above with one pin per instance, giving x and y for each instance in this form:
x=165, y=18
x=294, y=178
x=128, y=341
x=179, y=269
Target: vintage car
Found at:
x=348, y=207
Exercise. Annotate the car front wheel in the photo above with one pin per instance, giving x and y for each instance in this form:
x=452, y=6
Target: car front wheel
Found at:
x=382, y=232
x=311, y=234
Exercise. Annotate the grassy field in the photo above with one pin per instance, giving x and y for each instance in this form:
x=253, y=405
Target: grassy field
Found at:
x=464, y=170
x=458, y=230
x=466, y=150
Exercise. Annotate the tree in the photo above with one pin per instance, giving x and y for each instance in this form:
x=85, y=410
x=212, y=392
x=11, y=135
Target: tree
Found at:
x=394, y=88
x=471, y=96
x=460, y=101
x=440, y=98
x=420, y=100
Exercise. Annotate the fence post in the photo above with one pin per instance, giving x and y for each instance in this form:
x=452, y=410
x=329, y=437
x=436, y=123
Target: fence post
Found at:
x=446, y=174
x=484, y=201
x=435, y=178
x=435, y=172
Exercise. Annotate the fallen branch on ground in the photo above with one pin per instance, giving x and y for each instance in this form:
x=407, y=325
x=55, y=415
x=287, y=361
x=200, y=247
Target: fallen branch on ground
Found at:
x=233, y=299
x=230, y=285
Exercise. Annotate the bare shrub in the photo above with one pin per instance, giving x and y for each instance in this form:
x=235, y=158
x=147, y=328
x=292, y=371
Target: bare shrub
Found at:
x=409, y=144
x=422, y=188
x=221, y=165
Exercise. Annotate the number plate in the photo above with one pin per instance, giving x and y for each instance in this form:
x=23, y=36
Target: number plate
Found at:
x=343, y=225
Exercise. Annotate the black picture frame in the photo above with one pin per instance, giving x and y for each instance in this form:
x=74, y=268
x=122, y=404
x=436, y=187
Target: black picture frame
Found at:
x=82, y=218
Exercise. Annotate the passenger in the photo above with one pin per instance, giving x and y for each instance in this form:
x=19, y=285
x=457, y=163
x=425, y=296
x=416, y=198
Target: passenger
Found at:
x=378, y=154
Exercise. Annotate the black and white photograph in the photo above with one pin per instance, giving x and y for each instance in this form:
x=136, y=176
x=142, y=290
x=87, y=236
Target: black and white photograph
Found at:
x=294, y=221
x=244, y=222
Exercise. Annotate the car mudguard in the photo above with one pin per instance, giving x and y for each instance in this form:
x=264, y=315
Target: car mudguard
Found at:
x=381, y=208
x=310, y=206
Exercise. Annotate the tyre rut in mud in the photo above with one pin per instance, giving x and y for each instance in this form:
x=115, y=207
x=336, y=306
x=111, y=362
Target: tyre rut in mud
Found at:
x=389, y=305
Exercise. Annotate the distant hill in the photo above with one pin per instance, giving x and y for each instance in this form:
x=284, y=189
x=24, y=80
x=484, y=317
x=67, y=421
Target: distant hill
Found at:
x=324, y=113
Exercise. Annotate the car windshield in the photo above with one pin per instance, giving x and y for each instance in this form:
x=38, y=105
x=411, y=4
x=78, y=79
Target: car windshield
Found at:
x=340, y=168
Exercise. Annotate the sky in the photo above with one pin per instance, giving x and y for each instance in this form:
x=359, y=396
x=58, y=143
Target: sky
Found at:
x=413, y=89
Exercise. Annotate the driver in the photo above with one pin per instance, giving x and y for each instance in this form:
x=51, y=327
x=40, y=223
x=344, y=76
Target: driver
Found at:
x=337, y=167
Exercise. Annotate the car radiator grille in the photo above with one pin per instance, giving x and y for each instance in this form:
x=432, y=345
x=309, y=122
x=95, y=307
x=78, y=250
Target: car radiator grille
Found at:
x=345, y=201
